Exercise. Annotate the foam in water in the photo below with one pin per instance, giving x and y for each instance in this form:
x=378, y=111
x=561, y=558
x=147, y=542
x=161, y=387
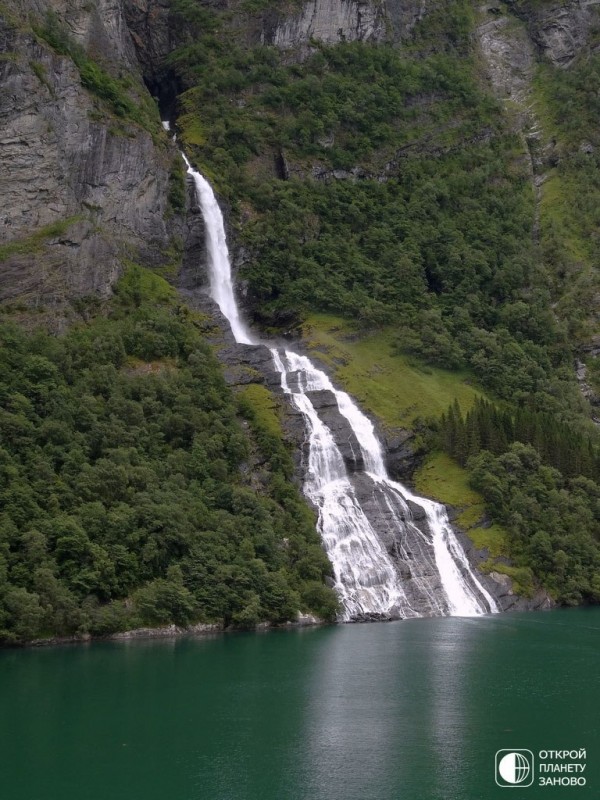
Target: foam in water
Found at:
x=366, y=578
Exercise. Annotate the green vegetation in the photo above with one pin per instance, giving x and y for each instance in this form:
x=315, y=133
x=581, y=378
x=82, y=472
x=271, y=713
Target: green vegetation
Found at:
x=176, y=196
x=553, y=524
x=494, y=539
x=396, y=389
x=386, y=209
x=485, y=427
x=384, y=186
x=523, y=582
x=567, y=103
x=119, y=95
x=540, y=480
x=37, y=240
x=125, y=489
x=443, y=479
x=388, y=213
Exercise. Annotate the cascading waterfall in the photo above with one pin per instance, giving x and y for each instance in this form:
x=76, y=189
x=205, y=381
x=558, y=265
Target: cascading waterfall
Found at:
x=386, y=562
x=463, y=593
x=365, y=577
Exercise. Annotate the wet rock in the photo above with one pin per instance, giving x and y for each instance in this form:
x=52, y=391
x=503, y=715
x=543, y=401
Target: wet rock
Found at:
x=418, y=512
x=403, y=569
x=326, y=407
x=168, y=631
x=193, y=274
x=400, y=457
x=304, y=620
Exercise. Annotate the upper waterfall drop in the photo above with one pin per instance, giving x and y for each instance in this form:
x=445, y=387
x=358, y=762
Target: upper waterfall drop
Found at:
x=385, y=563
x=219, y=264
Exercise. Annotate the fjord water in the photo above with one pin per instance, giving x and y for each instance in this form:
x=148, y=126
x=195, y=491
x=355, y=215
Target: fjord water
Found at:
x=367, y=581
x=409, y=710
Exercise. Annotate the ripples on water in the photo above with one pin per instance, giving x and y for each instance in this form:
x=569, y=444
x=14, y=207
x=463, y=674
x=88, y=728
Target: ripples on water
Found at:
x=410, y=710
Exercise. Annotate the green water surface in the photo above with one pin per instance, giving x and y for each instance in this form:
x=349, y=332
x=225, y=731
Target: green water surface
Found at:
x=411, y=710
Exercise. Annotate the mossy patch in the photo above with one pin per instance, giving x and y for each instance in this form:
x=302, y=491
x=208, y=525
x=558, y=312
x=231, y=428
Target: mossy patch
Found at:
x=493, y=539
x=260, y=408
x=139, y=284
x=263, y=405
x=37, y=240
x=522, y=577
x=396, y=389
x=136, y=366
x=444, y=480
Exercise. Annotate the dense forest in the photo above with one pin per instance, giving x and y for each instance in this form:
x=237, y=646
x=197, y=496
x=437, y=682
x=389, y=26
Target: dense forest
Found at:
x=124, y=484
x=540, y=479
x=385, y=184
x=406, y=203
x=388, y=185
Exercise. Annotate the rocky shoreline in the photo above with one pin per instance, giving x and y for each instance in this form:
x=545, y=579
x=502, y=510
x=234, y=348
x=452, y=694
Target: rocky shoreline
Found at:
x=172, y=631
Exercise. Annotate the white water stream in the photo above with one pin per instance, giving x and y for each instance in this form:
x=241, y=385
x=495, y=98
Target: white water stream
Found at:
x=429, y=573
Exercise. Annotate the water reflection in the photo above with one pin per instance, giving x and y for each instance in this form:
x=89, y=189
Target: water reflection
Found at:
x=386, y=711
x=411, y=710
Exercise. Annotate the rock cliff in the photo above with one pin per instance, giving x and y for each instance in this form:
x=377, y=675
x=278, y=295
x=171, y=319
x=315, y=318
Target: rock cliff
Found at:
x=330, y=22
x=84, y=189
x=85, y=183
x=560, y=30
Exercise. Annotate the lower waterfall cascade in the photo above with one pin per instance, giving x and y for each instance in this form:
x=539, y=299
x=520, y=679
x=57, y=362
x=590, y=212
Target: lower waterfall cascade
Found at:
x=394, y=554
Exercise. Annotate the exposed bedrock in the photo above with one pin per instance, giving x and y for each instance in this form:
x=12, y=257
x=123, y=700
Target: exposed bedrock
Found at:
x=100, y=182
x=560, y=30
x=326, y=406
x=328, y=21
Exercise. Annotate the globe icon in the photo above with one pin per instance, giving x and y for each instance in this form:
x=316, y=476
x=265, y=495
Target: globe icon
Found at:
x=514, y=768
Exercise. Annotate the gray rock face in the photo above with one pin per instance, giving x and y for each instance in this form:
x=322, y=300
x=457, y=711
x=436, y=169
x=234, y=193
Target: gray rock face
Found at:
x=66, y=159
x=148, y=22
x=558, y=31
x=400, y=457
x=335, y=21
x=193, y=273
x=330, y=22
x=99, y=27
x=327, y=408
x=509, y=55
x=403, y=16
x=562, y=30
x=508, y=52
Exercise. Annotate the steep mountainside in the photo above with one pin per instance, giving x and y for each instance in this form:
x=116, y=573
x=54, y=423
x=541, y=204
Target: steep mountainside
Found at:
x=411, y=189
x=426, y=183
x=85, y=178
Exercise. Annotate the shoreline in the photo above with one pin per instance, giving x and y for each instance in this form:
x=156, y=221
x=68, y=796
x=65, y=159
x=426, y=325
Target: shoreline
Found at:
x=171, y=631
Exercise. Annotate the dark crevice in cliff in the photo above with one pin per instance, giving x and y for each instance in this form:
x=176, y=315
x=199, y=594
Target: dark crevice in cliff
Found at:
x=165, y=91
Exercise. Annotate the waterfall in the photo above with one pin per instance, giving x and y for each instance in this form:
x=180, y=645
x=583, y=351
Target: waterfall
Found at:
x=386, y=562
x=463, y=591
x=221, y=285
